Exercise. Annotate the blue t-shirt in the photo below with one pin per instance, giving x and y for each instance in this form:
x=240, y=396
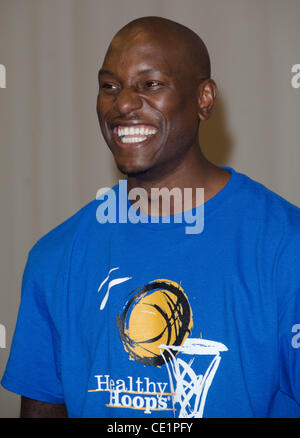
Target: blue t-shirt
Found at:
x=147, y=320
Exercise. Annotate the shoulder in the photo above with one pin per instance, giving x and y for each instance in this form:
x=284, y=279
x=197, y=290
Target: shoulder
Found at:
x=81, y=224
x=61, y=237
x=264, y=205
x=272, y=225
x=53, y=251
x=279, y=223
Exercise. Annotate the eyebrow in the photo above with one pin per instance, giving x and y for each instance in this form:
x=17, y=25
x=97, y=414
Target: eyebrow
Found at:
x=145, y=71
x=105, y=72
x=152, y=70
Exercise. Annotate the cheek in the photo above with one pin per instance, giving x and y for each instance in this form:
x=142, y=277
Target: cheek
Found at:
x=103, y=108
x=177, y=110
x=165, y=104
x=99, y=108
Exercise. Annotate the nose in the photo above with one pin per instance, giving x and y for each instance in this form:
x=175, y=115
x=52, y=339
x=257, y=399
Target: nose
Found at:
x=128, y=100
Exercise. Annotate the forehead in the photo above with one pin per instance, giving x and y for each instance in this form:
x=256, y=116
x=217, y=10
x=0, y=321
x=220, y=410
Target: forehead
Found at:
x=141, y=50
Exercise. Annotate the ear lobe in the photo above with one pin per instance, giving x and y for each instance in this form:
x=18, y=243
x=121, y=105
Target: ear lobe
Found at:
x=207, y=93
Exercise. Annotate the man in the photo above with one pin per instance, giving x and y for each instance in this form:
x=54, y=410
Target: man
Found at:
x=144, y=319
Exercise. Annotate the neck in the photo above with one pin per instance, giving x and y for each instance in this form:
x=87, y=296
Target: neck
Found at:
x=193, y=171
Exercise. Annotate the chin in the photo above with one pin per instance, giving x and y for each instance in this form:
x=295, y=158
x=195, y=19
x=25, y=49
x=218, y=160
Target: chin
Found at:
x=133, y=169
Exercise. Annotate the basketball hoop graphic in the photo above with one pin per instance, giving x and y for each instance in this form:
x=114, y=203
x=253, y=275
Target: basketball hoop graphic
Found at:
x=189, y=388
x=154, y=327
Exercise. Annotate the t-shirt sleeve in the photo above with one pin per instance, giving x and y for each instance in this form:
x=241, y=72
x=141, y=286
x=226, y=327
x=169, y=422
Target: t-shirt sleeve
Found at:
x=288, y=282
x=33, y=367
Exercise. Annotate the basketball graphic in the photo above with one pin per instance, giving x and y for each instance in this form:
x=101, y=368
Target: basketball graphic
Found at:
x=157, y=313
x=155, y=326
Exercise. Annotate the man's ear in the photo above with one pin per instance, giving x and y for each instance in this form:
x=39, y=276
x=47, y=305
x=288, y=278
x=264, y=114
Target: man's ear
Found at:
x=207, y=93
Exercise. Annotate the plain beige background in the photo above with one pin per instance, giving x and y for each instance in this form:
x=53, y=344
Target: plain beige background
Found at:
x=53, y=158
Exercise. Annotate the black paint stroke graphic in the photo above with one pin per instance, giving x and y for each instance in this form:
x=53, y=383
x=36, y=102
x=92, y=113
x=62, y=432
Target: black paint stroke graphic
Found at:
x=179, y=321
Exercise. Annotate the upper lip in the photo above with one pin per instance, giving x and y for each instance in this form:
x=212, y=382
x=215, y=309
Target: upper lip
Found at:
x=129, y=123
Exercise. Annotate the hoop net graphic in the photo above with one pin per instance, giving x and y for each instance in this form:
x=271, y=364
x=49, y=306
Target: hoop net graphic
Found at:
x=189, y=388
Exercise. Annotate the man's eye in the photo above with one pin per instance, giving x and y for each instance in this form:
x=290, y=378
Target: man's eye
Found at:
x=153, y=84
x=108, y=87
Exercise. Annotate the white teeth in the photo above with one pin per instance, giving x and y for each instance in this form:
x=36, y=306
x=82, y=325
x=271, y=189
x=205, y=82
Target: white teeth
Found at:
x=133, y=139
x=135, y=131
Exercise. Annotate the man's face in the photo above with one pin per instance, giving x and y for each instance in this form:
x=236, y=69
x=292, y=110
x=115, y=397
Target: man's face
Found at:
x=147, y=103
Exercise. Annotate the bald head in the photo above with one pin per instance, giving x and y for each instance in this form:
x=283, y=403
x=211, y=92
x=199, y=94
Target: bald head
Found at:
x=191, y=50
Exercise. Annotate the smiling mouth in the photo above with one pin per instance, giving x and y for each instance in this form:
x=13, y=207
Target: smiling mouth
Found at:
x=134, y=133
